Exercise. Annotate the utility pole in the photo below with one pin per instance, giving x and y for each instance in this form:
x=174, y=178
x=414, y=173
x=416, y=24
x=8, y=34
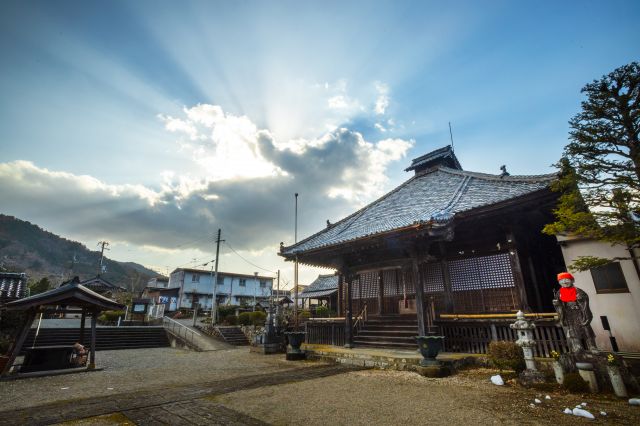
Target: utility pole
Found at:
x=215, y=280
x=255, y=289
x=104, y=245
x=295, y=270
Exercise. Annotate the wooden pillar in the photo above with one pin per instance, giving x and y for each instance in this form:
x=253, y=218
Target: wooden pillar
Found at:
x=419, y=287
x=380, y=292
x=534, y=281
x=17, y=346
x=82, y=323
x=340, y=295
x=92, y=353
x=449, y=305
x=517, y=272
x=348, y=315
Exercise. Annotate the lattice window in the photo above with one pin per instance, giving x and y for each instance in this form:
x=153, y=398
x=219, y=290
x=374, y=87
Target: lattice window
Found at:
x=355, y=288
x=432, y=276
x=483, y=272
x=367, y=286
x=391, y=280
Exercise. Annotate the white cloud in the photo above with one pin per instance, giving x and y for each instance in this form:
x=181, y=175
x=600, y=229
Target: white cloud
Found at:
x=239, y=178
x=382, y=101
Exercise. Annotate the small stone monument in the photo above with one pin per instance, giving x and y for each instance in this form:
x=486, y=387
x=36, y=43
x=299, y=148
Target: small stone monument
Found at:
x=525, y=340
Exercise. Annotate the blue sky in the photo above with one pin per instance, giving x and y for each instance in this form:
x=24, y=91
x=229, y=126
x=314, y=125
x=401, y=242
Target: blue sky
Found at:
x=153, y=123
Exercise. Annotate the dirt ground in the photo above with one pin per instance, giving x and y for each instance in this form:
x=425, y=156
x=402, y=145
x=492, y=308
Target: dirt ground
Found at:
x=376, y=397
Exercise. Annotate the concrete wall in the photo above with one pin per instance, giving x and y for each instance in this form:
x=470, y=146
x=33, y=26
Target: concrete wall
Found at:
x=621, y=309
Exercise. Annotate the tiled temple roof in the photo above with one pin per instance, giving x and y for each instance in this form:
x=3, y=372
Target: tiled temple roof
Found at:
x=435, y=195
x=324, y=285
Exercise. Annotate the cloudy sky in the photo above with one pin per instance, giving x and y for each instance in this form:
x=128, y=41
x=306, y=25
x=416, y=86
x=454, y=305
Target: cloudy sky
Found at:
x=151, y=124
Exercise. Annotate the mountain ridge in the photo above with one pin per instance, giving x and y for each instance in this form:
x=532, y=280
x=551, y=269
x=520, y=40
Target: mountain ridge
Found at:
x=26, y=247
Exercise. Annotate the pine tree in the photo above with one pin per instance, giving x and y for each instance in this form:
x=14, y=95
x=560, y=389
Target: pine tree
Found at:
x=600, y=167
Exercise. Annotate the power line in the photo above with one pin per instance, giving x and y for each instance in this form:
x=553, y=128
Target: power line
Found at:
x=249, y=262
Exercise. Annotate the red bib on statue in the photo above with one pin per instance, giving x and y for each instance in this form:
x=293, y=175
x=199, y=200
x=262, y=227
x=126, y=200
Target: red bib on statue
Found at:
x=568, y=294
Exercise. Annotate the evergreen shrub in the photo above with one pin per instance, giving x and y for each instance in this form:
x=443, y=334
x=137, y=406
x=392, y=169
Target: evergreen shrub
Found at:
x=506, y=356
x=258, y=318
x=245, y=318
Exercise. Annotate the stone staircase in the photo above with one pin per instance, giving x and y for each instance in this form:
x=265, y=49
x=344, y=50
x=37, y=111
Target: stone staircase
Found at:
x=107, y=338
x=388, y=331
x=233, y=335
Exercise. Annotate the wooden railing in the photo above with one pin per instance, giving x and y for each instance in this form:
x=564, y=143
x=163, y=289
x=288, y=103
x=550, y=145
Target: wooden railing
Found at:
x=360, y=320
x=474, y=336
x=325, y=332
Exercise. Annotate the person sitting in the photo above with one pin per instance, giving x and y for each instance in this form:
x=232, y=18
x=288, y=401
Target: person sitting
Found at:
x=79, y=357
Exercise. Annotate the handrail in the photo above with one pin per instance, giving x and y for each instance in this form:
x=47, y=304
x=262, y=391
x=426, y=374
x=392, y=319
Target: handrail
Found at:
x=170, y=324
x=362, y=316
x=495, y=316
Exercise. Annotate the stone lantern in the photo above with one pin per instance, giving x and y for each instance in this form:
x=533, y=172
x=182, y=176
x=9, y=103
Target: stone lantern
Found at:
x=525, y=340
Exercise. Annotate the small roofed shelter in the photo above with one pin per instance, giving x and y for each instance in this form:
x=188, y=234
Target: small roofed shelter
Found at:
x=446, y=241
x=76, y=299
x=99, y=285
x=285, y=301
x=324, y=288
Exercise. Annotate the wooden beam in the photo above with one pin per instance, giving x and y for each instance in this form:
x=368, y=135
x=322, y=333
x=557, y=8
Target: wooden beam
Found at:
x=380, y=292
x=419, y=287
x=348, y=323
x=517, y=272
x=17, y=346
x=82, y=322
x=340, y=295
x=92, y=353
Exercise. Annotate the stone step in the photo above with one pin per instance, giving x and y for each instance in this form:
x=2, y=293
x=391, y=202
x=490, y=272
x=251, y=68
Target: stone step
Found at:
x=382, y=344
x=373, y=338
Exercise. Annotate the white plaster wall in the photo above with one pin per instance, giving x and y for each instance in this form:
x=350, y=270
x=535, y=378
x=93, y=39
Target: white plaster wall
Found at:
x=622, y=309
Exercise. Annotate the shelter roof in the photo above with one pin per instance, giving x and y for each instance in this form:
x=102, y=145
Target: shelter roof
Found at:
x=434, y=196
x=100, y=282
x=71, y=295
x=324, y=285
x=285, y=300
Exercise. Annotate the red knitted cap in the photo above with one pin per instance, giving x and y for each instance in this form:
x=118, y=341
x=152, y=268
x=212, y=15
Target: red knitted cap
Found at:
x=564, y=276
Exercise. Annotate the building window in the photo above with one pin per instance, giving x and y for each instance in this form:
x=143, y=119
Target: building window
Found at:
x=195, y=278
x=220, y=280
x=243, y=282
x=263, y=284
x=609, y=279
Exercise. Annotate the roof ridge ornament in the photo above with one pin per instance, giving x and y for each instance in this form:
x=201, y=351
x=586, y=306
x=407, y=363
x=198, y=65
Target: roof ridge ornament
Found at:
x=440, y=157
x=504, y=173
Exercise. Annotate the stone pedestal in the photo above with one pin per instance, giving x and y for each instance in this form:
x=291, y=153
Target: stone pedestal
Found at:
x=267, y=348
x=293, y=356
x=617, y=383
x=434, y=371
x=558, y=371
x=586, y=372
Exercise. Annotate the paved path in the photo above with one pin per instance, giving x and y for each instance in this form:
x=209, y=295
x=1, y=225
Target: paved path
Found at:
x=186, y=404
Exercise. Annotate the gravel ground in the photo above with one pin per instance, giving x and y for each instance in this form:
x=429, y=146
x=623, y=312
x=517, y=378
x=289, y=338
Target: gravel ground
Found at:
x=369, y=397
x=138, y=369
x=376, y=397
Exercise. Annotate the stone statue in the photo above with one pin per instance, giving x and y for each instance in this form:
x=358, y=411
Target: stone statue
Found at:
x=572, y=306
